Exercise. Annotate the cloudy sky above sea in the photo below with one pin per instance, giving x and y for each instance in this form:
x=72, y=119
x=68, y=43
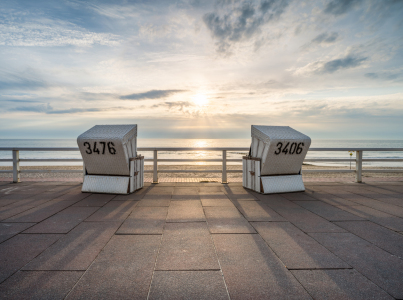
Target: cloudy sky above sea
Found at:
x=202, y=69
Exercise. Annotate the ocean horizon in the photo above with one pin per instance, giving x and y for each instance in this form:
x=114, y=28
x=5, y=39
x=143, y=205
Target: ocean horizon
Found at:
x=155, y=142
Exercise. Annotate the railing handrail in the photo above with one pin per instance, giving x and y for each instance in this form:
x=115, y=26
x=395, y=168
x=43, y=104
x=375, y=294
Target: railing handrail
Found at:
x=358, y=160
x=194, y=149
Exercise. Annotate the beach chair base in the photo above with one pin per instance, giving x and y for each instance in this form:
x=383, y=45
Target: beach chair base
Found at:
x=251, y=179
x=281, y=184
x=117, y=184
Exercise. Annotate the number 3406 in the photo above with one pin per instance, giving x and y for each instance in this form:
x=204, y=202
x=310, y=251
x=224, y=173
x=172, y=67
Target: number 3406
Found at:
x=101, y=149
x=293, y=148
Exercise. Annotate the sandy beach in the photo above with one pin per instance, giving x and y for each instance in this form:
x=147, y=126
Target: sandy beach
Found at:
x=48, y=175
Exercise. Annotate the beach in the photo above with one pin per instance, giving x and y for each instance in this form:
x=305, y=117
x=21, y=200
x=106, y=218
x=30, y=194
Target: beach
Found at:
x=317, y=175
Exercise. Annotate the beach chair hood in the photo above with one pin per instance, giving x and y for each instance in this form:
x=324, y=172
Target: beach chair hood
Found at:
x=106, y=149
x=281, y=149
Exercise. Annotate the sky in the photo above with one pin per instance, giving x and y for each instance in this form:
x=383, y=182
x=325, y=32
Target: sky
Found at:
x=331, y=69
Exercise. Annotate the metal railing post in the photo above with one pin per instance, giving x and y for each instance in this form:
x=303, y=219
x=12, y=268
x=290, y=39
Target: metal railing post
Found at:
x=358, y=166
x=155, y=165
x=224, y=167
x=16, y=166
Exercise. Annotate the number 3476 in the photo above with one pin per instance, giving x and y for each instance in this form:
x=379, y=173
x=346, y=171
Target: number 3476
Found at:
x=102, y=148
x=289, y=149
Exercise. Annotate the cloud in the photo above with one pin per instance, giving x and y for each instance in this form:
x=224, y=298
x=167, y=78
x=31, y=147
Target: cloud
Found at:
x=48, y=33
x=153, y=94
x=41, y=108
x=389, y=76
x=325, y=38
x=340, y=7
x=20, y=101
x=347, y=62
x=242, y=22
x=178, y=104
x=74, y=110
x=48, y=109
x=371, y=75
x=12, y=81
x=322, y=67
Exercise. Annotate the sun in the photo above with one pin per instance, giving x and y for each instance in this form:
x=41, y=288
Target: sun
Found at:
x=200, y=100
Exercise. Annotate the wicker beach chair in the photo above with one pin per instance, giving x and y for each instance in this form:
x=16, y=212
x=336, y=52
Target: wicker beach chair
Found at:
x=275, y=160
x=111, y=163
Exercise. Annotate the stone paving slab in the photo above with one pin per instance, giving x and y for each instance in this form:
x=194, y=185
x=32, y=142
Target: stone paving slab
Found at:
x=394, y=199
x=44, y=197
x=129, y=197
x=235, y=192
x=41, y=212
x=329, y=198
x=163, y=190
x=26, y=190
x=34, y=201
x=327, y=211
x=15, y=197
x=5, y=202
x=157, y=197
x=380, y=236
x=252, y=271
x=185, y=197
x=368, y=190
x=379, y=266
x=215, y=199
x=187, y=246
x=77, y=249
x=301, y=217
x=296, y=249
x=248, y=256
x=12, y=210
x=77, y=196
x=257, y=211
x=212, y=189
x=145, y=220
x=113, y=211
x=20, y=249
x=298, y=196
x=123, y=269
x=63, y=221
x=136, y=196
x=347, y=193
x=376, y=216
x=97, y=200
x=39, y=285
x=188, y=285
x=342, y=193
x=339, y=284
x=185, y=211
x=381, y=205
x=226, y=220
x=8, y=230
x=396, y=189
x=154, y=202
x=186, y=191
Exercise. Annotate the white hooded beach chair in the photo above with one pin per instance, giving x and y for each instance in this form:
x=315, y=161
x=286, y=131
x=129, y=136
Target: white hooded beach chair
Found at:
x=275, y=160
x=110, y=159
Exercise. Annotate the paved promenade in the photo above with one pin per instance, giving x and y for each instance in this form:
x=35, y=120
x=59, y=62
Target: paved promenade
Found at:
x=201, y=241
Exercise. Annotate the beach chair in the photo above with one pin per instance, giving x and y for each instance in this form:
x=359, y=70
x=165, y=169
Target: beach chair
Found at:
x=275, y=160
x=111, y=163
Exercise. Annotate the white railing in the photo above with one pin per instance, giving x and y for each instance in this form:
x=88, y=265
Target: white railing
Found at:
x=358, y=161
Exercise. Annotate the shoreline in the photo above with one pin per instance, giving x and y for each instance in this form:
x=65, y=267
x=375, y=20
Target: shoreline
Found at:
x=47, y=175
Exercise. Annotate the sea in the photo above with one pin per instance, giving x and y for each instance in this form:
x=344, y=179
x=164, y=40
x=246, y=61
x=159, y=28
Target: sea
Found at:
x=317, y=143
